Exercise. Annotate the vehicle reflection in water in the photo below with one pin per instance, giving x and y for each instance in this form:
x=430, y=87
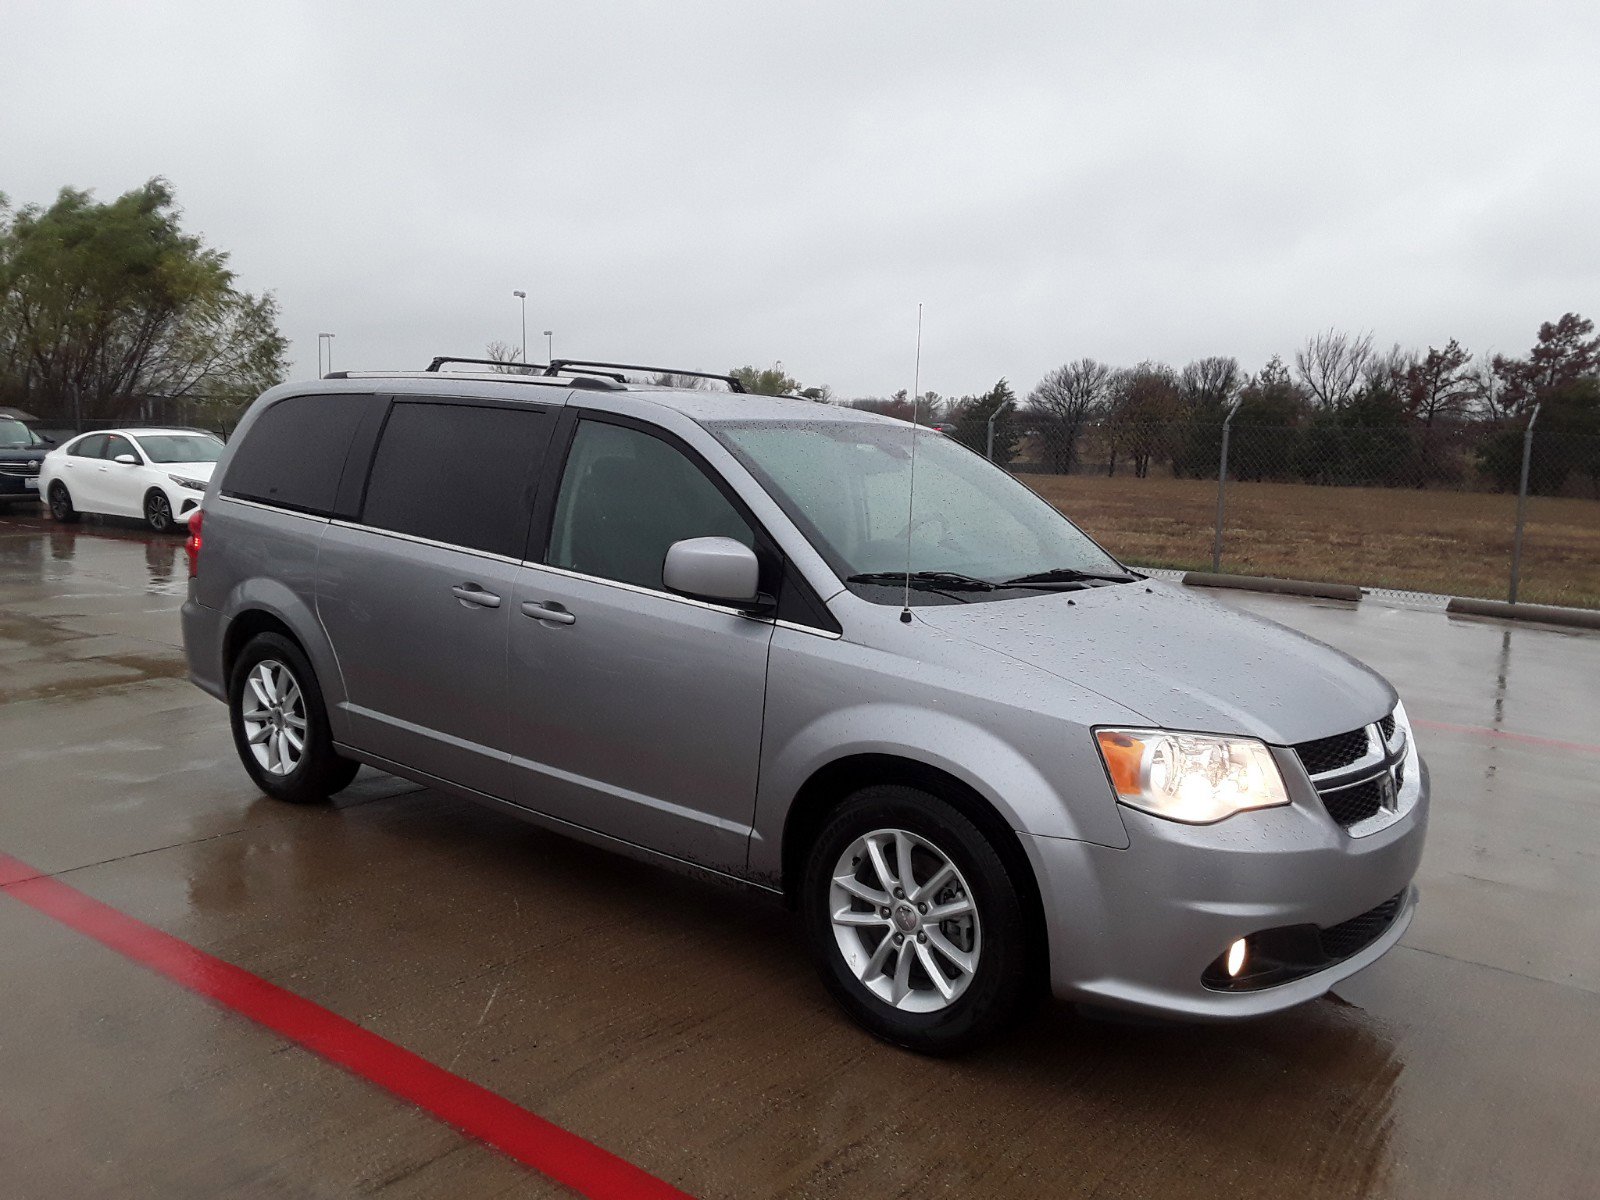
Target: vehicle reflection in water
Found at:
x=37, y=547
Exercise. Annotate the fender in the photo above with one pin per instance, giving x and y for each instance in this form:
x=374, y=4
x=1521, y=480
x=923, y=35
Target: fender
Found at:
x=266, y=595
x=1003, y=773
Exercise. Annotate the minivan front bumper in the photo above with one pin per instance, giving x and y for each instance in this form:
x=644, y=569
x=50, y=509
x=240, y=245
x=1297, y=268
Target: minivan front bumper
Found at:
x=1137, y=929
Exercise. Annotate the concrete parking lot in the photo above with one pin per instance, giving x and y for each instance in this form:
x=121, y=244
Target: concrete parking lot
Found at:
x=677, y=1024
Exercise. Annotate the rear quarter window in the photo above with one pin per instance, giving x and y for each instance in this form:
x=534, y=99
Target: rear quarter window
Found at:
x=461, y=474
x=293, y=454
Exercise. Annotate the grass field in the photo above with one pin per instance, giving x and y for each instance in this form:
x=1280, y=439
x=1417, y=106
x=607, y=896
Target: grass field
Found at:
x=1457, y=543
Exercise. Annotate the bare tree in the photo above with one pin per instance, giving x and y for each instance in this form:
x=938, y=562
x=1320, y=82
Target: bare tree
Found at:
x=1389, y=371
x=1207, y=384
x=508, y=357
x=1144, y=402
x=1332, y=365
x=1063, y=402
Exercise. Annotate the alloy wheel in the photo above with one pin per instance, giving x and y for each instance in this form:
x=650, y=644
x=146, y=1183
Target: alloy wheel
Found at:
x=905, y=920
x=275, y=721
x=158, y=511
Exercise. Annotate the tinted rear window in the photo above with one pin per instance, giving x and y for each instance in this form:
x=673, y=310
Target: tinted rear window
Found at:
x=458, y=474
x=293, y=453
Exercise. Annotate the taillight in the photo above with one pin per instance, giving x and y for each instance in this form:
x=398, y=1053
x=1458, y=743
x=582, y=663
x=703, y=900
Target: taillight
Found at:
x=192, y=545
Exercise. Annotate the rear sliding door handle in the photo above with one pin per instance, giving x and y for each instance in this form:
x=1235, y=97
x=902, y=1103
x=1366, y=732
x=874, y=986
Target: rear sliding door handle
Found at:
x=556, y=615
x=471, y=593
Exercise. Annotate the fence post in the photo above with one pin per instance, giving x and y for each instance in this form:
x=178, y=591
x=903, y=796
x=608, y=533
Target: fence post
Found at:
x=988, y=446
x=1222, y=487
x=1522, y=505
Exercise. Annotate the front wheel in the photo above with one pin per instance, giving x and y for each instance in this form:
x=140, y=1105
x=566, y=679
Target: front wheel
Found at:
x=61, y=503
x=158, y=511
x=280, y=725
x=916, y=924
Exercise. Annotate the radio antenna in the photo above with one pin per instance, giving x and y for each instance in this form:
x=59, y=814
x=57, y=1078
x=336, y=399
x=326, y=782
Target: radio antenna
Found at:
x=911, y=496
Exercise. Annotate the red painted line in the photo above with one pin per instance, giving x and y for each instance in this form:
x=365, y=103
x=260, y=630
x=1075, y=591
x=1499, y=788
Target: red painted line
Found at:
x=1527, y=739
x=475, y=1111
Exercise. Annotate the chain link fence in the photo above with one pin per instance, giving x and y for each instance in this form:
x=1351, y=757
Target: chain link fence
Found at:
x=1412, y=508
x=62, y=423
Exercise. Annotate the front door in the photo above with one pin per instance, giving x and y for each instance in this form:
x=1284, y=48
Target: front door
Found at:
x=635, y=712
x=417, y=593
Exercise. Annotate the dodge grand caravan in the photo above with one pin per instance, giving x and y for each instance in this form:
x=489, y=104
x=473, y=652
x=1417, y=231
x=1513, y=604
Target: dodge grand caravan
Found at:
x=975, y=752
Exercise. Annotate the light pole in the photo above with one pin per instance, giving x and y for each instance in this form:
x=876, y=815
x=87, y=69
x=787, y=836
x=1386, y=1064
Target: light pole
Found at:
x=549, y=347
x=523, y=296
x=324, y=337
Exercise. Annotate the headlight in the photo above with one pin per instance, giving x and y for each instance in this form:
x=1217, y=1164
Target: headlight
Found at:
x=1190, y=777
x=198, y=485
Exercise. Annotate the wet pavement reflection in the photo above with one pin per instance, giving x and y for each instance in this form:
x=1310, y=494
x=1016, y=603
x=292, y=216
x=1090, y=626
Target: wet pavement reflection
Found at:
x=677, y=1023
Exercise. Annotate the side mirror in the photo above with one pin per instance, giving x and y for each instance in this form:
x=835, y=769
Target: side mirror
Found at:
x=716, y=569
x=126, y=460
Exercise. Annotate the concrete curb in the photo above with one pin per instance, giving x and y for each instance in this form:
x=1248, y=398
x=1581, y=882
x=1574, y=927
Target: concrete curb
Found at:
x=1550, y=614
x=1285, y=587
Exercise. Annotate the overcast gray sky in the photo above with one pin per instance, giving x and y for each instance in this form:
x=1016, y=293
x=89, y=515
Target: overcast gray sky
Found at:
x=705, y=184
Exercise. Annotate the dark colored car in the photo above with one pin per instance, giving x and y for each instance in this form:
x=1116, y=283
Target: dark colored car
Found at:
x=21, y=452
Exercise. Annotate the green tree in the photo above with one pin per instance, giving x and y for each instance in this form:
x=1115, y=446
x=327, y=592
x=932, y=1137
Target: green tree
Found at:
x=1562, y=375
x=1266, y=431
x=106, y=306
x=772, y=381
x=972, y=413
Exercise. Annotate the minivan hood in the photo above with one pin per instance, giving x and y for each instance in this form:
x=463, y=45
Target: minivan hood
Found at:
x=1179, y=660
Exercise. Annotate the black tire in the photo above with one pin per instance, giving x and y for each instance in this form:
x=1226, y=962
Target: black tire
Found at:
x=158, y=511
x=1003, y=980
x=319, y=772
x=61, y=503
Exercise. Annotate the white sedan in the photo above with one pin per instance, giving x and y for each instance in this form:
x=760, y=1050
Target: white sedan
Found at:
x=157, y=474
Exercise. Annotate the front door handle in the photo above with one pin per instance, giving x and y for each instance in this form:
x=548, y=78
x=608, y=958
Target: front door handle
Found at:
x=556, y=615
x=471, y=593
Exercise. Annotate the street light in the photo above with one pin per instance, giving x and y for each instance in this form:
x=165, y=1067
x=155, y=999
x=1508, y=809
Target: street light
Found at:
x=523, y=296
x=549, y=352
x=321, y=337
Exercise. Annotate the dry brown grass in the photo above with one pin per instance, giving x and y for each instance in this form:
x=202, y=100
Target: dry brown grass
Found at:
x=1457, y=543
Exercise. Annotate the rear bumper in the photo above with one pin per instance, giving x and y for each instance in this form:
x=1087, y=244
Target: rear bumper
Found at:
x=204, y=634
x=1136, y=929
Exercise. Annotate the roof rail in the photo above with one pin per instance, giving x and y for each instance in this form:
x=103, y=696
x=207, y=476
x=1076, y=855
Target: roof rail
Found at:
x=542, y=380
x=559, y=365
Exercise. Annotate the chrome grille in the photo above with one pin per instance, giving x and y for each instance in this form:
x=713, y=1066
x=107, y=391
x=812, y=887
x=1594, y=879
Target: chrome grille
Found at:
x=1357, y=774
x=1332, y=753
x=26, y=470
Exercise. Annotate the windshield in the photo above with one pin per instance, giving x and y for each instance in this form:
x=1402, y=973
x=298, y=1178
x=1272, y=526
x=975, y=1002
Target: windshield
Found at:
x=14, y=435
x=181, y=447
x=847, y=485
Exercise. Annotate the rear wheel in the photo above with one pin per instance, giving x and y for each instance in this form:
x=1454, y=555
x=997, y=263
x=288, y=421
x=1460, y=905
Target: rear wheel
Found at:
x=61, y=502
x=917, y=927
x=158, y=511
x=280, y=725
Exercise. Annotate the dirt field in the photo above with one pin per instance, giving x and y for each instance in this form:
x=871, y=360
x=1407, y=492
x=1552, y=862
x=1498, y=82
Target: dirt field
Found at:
x=1452, y=542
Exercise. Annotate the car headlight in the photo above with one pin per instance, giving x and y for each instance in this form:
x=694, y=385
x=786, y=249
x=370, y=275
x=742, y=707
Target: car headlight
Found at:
x=198, y=485
x=1191, y=777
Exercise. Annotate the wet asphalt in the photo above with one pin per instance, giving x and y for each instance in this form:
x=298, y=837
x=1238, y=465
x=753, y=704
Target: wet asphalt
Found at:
x=678, y=1024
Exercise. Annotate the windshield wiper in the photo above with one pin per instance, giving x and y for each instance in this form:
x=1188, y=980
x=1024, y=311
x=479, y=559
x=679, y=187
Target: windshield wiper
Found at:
x=1069, y=575
x=929, y=580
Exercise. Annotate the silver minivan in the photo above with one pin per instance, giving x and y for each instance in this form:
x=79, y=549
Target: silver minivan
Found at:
x=976, y=754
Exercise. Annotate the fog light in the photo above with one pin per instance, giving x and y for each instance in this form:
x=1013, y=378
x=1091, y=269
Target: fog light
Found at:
x=1236, y=958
